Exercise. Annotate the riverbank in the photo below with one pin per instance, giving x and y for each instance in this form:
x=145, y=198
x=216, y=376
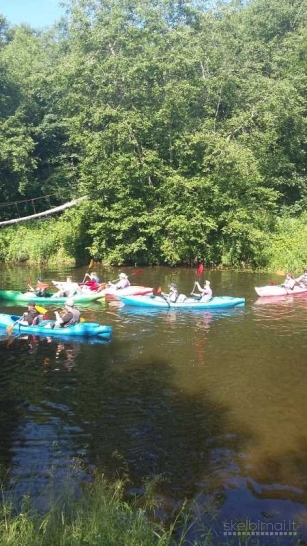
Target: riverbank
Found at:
x=101, y=517
x=64, y=240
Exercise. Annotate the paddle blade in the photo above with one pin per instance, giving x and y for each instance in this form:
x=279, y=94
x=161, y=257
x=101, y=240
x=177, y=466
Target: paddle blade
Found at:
x=40, y=309
x=82, y=319
x=9, y=329
x=137, y=272
x=200, y=270
x=91, y=264
x=157, y=290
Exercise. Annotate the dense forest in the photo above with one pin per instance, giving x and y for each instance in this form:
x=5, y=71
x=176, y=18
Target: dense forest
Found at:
x=184, y=124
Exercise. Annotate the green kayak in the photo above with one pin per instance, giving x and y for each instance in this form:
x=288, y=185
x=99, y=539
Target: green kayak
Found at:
x=14, y=295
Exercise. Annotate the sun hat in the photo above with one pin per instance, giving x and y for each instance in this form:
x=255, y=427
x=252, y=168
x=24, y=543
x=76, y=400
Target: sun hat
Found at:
x=122, y=276
x=70, y=302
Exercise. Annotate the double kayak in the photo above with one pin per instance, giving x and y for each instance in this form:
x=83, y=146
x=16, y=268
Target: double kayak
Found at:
x=217, y=302
x=14, y=295
x=279, y=290
x=82, y=329
x=129, y=291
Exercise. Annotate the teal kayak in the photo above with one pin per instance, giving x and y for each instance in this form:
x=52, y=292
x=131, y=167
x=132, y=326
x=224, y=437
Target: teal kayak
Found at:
x=14, y=295
x=82, y=329
x=217, y=302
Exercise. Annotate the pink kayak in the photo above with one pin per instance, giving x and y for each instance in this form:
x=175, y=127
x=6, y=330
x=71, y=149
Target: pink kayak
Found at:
x=278, y=290
x=129, y=291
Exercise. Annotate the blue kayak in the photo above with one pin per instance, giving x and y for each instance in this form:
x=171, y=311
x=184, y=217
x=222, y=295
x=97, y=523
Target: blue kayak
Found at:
x=82, y=329
x=217, y=302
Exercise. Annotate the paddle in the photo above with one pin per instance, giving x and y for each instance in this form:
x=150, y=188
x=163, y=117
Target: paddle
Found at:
x=10, y=328
x=90, y=265
x=43, y=311
x=137, y=272
x=158, y=292
x=199, y=273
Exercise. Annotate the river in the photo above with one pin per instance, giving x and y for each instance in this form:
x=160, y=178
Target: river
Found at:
x=213, y=402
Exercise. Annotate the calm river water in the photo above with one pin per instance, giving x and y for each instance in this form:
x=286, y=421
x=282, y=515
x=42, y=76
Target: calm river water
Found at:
x=213, y=402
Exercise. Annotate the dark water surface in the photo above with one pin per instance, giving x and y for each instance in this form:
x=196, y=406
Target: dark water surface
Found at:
x=215, y=402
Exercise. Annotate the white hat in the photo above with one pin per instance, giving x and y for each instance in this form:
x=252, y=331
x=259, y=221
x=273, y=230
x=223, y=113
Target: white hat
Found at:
x=207, y=282
x=122, y=276
x=70, y=302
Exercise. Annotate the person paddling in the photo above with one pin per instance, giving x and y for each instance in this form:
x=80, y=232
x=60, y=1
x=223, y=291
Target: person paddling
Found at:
x=205, y=292
x=70, y=315
x=173, y=294
x=66, y=289
x=289, y=282
x=122, y=283
x=29, y=318
x=40, y=288
x=93, y=277
x=302, y=279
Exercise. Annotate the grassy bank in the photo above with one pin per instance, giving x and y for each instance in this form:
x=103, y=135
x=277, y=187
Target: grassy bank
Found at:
x=50, y=241
x=100, y=517
x=65, y=240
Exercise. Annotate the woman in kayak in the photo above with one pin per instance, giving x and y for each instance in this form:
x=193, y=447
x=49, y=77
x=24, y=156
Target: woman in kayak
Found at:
x=205, y=292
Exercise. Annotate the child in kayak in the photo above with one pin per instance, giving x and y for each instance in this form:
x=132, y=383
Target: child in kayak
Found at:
x=205, y=292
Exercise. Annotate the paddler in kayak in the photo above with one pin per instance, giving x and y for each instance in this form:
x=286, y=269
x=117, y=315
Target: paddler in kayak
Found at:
x=289, y=282
x=92, y=284
x=30, y=316
x=205, y=292
x=40, y=288
x=122, y=283
x=69, y=315
x=302, y=280
x=66, y=289
x=173, y=294
x=93, y=277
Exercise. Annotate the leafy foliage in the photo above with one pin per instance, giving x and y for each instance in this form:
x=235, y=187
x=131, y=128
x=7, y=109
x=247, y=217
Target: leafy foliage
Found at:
x=184, y=124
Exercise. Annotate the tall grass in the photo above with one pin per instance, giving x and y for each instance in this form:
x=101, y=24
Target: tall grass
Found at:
x=51, y=241
x=66, y=240
x=288, y=248
x=102, y=517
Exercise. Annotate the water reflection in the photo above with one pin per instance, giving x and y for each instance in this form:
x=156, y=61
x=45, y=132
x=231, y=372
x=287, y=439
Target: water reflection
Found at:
x=213, y=401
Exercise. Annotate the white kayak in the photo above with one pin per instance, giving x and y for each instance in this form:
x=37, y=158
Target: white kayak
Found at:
x=279, y=290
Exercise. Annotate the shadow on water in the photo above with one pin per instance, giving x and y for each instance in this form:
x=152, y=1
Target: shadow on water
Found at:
x=129, y=415
x=198, y=399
